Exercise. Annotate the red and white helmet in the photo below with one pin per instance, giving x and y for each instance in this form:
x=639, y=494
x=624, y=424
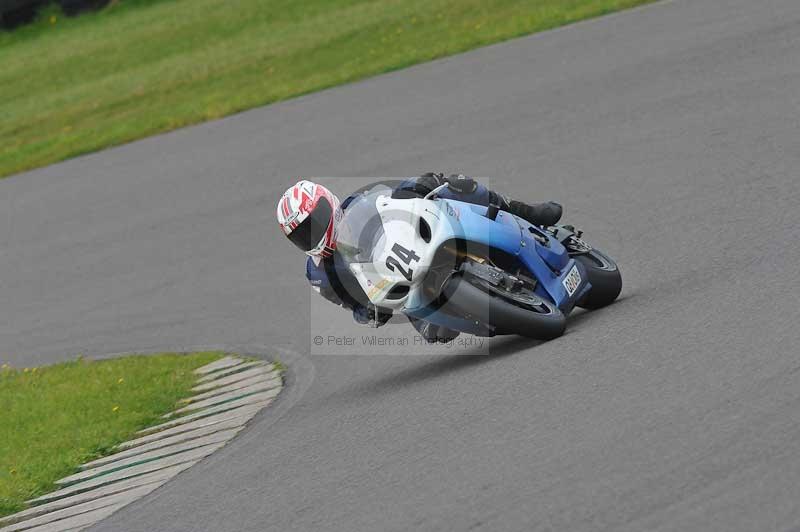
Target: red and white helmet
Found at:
x=309, y=214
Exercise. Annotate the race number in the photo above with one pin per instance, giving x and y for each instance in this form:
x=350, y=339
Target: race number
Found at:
x=407, y=256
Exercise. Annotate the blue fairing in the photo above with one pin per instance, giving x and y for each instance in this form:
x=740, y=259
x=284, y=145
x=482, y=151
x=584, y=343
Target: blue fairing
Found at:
x=544, y=257
x=503, y=233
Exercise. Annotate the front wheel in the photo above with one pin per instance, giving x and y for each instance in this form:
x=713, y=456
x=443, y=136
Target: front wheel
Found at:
x=604, y=275
x=509, y=312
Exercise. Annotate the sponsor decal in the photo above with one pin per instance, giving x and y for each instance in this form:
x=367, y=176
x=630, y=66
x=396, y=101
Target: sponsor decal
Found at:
x=452, y=211
x=379, y=286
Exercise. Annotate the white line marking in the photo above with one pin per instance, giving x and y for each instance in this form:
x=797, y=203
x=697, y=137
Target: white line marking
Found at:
x=148, y=467
x=232, y=387
x=168, y=441
x=222, y=363
x=230, y=371
x=247, y=400
x=124, y=497
x=154, y=456
x=230, y=379
x=78, y=521
x=158, y=477
x=243, y=412
x=222, y=398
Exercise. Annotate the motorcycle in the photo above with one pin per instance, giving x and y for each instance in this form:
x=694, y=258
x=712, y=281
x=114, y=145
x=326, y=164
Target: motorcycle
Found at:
x=471, y=268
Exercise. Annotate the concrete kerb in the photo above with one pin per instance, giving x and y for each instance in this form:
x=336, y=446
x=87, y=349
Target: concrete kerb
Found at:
x=161, y=452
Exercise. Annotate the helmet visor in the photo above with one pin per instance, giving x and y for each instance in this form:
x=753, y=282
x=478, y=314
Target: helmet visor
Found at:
x=310, y=232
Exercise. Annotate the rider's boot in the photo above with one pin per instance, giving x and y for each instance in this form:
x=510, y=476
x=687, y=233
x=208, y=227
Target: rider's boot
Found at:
x=546, y=214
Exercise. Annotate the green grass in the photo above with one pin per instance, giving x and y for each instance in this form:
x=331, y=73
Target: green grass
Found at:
x=139, y=67
x=54, y=418
x=280, y=366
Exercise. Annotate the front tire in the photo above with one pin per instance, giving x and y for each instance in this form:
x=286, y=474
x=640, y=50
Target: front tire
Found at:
x=522, y=313
x=604, y=275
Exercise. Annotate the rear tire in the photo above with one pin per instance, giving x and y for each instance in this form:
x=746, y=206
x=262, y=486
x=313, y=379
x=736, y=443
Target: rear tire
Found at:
x=604, y=275
x=525, y=315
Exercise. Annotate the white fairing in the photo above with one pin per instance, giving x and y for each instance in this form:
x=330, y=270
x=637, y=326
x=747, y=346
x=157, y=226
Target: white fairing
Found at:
x=402, y=256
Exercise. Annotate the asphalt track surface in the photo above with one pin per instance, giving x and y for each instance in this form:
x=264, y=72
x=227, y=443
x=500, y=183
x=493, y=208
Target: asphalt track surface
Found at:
x=672, y=135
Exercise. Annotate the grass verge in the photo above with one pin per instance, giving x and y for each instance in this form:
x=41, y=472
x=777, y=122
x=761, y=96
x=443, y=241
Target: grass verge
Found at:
x=57, y=417
x=139, y=67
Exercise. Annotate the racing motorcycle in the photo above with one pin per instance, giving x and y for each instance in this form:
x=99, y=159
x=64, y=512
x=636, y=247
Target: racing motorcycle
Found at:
x=471, y=268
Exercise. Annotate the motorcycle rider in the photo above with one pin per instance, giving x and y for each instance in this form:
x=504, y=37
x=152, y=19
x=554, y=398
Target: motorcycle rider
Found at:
x=309, y=214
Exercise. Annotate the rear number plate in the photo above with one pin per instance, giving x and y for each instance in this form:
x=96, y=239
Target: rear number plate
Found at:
x=572, y=281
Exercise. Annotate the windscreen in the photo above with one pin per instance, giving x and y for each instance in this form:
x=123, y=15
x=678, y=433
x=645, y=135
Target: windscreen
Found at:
x=361, y=230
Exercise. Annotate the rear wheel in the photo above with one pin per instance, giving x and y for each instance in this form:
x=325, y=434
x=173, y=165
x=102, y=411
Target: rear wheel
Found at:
x=604, y=276
x=516, y=310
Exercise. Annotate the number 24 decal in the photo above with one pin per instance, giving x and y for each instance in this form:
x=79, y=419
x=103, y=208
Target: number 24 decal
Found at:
x=406, y=255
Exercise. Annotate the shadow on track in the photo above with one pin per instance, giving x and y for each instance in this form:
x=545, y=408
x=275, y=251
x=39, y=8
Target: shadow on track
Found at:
x=443, y=365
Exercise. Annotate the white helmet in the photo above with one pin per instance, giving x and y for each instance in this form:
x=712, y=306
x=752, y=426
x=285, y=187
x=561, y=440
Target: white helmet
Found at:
x=309, y=215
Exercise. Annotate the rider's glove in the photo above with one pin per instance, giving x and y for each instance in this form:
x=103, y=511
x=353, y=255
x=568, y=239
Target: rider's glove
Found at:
x=461, y=183
x=370, y=317
x=437, y=175
x=430, y=180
